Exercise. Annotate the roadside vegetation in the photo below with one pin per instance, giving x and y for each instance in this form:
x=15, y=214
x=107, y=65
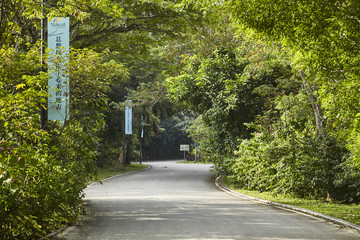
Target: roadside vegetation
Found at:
x=347, y=212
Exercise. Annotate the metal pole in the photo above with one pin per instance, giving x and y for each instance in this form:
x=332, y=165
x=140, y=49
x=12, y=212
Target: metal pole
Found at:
x=124, y=152
x=195, y=153
x=142, y=137
x=141, y=150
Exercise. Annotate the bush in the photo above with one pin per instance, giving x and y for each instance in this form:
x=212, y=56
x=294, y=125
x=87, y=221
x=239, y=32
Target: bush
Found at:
x=44, y=171
x=292, y=158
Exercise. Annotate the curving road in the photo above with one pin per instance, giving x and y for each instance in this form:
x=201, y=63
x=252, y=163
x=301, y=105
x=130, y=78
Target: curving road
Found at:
x=180, y=201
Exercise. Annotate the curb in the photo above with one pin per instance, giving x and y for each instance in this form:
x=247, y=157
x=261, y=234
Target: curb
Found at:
x=219, y=183
x=120, y=175
x=57, y=231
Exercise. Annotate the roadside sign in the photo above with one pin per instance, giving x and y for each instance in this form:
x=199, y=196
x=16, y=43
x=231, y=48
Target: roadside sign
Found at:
x=196, y=138
x=184, y=147
x=196, y=144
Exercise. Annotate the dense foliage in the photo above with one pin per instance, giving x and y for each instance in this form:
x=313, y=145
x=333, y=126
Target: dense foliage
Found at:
x=43, y=171
x=226, y=90
x=269, y=110
x=324, y=38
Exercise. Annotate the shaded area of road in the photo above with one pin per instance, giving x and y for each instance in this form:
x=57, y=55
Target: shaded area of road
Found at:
x=180, y=201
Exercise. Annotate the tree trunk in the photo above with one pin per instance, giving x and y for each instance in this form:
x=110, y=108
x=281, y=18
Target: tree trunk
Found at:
x=315, y=105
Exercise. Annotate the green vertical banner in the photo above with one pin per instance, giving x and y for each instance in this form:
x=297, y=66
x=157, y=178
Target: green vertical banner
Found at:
x=58, y=45
x=128, y=117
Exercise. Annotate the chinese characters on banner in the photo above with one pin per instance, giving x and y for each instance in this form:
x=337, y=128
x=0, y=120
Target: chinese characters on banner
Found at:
x=58, y=44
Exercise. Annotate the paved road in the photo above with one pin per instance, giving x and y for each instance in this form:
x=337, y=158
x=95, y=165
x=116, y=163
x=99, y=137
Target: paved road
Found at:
x=180, y=201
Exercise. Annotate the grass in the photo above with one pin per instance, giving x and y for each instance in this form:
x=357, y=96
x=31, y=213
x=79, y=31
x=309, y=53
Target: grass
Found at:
x=347, y=212
x=108, y=172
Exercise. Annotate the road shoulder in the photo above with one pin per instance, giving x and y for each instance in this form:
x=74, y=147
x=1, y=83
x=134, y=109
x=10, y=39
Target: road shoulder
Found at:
x=220, y=184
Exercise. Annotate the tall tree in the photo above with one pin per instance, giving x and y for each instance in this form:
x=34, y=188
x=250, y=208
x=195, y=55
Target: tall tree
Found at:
x=222, y=78
x=158, y=19
x=324, y=36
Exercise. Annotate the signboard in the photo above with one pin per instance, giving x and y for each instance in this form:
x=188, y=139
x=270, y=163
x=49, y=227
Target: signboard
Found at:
x=128, y=118
x=142, y=125
x=184, y=147
x=58, y=44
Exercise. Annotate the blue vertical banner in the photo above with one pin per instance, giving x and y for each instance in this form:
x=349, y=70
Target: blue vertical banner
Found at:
x=128, y=117
x=58, y=45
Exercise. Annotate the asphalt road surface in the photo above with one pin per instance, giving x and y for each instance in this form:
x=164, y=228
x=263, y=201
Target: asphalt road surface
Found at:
x=180, y=201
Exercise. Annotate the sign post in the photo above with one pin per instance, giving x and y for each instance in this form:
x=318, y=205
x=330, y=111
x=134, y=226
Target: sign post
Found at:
x=142, y=136
x=196, y=146
x=58, y=43
x=196, y=139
